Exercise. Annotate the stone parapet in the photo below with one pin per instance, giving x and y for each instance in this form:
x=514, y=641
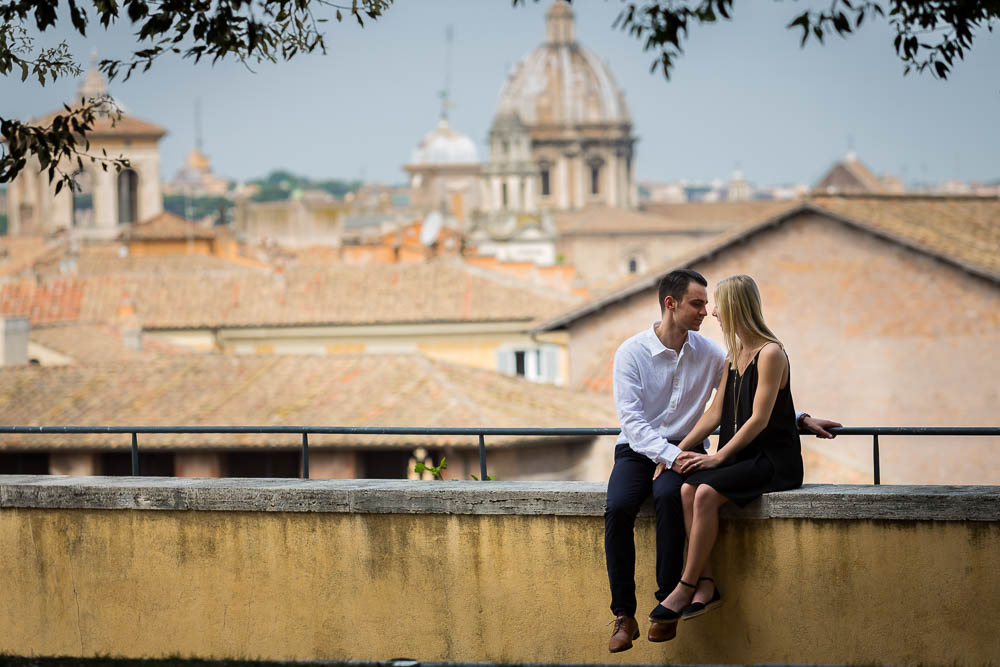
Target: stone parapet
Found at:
x=816, y=501
x=502, y=572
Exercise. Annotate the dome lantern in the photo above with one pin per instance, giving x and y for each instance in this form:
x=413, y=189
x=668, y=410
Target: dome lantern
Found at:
x=559, y=24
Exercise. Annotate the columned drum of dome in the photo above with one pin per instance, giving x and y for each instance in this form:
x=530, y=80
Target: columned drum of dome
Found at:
x=563, y=106
x=444, y=171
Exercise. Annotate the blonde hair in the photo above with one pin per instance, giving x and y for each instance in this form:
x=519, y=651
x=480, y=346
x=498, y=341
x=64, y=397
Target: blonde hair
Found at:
x=737, y=301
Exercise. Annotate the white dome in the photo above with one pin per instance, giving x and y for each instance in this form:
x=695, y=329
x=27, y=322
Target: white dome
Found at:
x=561, y=82
x=444, y=145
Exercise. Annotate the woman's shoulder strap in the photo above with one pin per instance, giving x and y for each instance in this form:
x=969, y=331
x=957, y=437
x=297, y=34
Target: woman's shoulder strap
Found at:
x=759, y=349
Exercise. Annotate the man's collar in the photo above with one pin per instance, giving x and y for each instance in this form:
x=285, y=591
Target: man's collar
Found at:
x=656, y=346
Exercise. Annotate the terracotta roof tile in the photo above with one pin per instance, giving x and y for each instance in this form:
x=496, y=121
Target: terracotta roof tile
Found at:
x=349, y=390
x=849, y=176
x=106, y=127
x=964, y=229
x=676, y=218
x=167, y=227
x=18, y=253
x=91, y=264
x=406, y=293
x=54, y=301
x=91, y=343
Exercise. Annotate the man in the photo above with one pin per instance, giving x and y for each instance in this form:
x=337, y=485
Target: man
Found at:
x=663, y=378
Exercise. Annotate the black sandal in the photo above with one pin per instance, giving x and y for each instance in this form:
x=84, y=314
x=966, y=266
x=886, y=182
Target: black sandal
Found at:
x=666, y=615
x=696, y=609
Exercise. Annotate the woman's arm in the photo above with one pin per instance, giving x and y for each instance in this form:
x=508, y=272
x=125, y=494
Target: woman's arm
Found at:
x=770, y=369
x=710, y=420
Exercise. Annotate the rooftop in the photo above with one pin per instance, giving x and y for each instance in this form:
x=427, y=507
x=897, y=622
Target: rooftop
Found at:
x=208, y=389
x=963, y=231
x=341, y=294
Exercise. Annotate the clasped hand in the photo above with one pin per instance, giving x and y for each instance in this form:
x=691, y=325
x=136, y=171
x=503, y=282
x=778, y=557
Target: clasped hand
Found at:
x=689, y=462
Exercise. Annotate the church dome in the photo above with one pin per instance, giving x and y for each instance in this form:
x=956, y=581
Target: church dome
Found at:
x=561, y=82
x=443, y=145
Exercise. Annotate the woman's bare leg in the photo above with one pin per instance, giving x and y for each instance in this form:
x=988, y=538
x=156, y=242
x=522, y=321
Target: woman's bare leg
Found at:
x=702, y=531
x=705, y=590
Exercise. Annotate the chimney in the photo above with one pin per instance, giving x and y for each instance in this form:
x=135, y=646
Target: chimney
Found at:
x=14, y=341
x=132, y=336
x=130, y=329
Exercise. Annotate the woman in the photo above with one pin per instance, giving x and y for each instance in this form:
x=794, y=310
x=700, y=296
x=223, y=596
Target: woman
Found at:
x=758, y=450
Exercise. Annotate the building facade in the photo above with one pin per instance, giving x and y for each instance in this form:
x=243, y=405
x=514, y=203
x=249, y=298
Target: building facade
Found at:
x=107, y=200
x=562, y=135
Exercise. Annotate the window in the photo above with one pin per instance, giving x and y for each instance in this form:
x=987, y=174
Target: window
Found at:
x=261, y=464
x=83, y=200
x=151, y=464
x=595, y=179
x=519, y=362
x=128, y=197
x=386, y=464
x=24, y=463
x=538, y=364
x=633, y=265
x=546, y=191
x=503, y=194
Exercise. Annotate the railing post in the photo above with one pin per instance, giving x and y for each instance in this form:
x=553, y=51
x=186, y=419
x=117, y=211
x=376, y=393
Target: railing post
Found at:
x=135, y=455
x=482, y=457
x=305, y=456
x=875, y=457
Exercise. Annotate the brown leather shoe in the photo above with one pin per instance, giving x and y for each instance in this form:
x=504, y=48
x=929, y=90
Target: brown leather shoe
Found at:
x=662, y=632
x=626, y=630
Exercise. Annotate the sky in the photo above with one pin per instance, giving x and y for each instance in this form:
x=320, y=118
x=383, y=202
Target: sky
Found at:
x=744, y=95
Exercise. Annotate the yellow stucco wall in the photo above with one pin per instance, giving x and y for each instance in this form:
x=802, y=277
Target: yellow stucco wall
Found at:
x=474, y=588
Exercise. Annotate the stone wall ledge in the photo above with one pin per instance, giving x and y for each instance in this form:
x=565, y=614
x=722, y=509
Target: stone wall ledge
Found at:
x=814, y=501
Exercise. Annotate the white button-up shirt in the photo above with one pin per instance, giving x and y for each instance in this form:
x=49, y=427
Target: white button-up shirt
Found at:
x=660, y=394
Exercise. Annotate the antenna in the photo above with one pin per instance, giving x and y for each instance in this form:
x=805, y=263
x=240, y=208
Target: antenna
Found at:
x=449, y=36
x=197, y=124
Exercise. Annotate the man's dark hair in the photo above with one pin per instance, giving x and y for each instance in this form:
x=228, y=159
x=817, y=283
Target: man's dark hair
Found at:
x=676, y=283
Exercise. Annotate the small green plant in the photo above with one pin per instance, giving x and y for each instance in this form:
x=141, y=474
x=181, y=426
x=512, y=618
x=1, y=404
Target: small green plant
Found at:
x=434, y=470
x=489, y=478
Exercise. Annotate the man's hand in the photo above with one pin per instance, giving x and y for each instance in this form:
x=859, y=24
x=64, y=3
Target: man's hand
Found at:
x=698, y=462
x=818, y=426
x=678, y=463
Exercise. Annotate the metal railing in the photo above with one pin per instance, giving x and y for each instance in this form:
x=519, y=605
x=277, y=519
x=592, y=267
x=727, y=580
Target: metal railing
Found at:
x=306, y=431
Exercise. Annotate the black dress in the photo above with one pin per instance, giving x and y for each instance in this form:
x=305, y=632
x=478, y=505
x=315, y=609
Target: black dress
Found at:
x=770, y=462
